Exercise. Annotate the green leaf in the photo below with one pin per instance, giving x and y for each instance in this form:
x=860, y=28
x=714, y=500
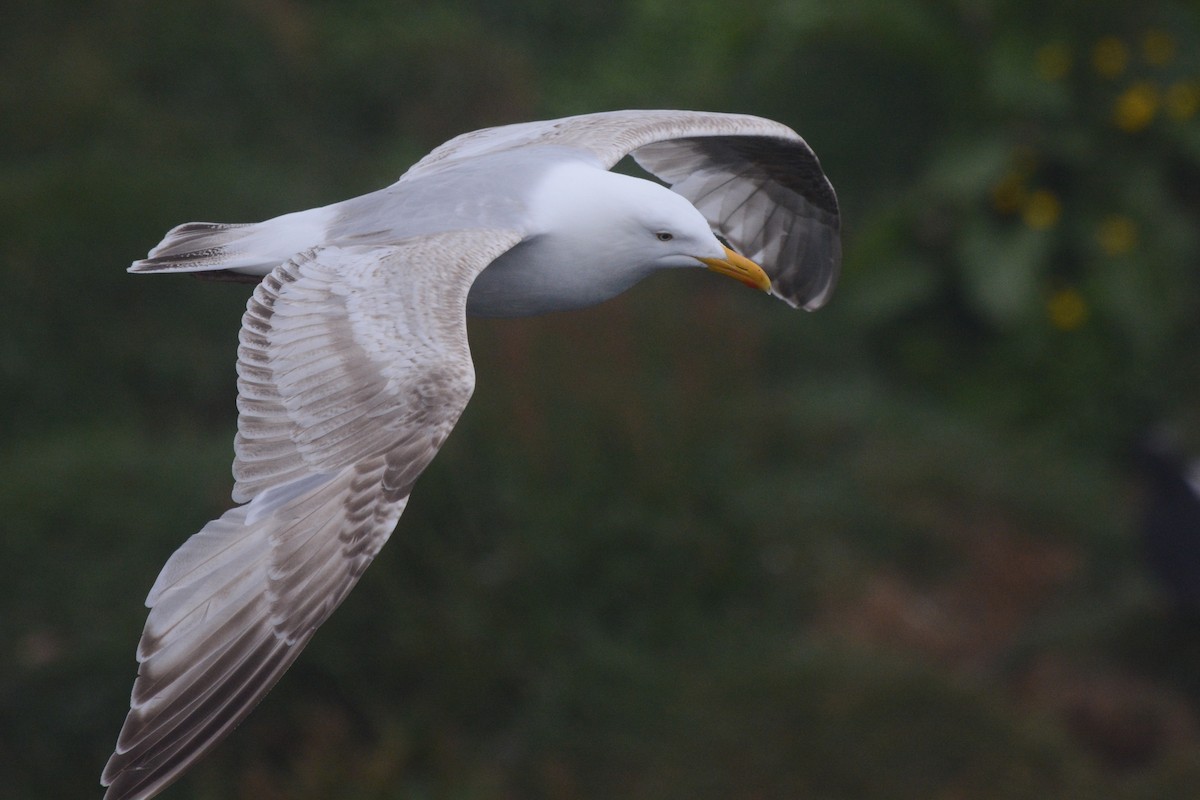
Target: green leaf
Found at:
x=1003, y=268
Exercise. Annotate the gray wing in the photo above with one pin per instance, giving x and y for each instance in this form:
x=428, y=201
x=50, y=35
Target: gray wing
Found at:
x=353, y=368
x=756, y=181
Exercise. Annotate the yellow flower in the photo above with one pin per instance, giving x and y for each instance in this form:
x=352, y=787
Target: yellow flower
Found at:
x=1117, y=234
x=1110, y=56
x=1067, y=309
x=1158, y=47
x=1182, y=100
x=1041, y=210
x=1135, y=107
x=1053, y=61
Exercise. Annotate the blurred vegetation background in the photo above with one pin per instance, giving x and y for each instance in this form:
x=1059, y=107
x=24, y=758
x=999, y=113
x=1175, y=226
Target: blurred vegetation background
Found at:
x=687, y=544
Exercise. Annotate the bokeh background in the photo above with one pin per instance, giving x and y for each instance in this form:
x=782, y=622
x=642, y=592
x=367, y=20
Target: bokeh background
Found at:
x=689, y=544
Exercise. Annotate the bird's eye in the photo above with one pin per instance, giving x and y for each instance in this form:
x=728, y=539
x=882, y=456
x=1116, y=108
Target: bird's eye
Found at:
x=665, y=236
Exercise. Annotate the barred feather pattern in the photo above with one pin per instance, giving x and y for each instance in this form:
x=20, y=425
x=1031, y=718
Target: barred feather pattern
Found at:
x=353, y=367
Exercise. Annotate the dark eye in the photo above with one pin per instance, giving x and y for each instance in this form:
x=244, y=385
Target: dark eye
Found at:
x=665, y=236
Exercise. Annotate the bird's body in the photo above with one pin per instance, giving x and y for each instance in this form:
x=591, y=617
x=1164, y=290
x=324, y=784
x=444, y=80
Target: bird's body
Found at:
x=354, y=365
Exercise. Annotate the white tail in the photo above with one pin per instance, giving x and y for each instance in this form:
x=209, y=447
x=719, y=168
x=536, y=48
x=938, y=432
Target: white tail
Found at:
x=253, y=248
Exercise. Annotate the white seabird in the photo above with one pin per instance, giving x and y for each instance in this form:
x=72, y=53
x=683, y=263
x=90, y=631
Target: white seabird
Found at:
x=354, y=364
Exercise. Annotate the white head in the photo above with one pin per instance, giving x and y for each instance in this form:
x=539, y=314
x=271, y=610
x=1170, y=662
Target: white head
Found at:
x=633, y=226
x=595, y=233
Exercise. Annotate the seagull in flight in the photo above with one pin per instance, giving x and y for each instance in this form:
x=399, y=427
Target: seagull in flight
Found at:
x=353, y=363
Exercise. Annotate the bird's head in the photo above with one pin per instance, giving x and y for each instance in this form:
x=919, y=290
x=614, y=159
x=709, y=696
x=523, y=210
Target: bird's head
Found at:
x=641, y=226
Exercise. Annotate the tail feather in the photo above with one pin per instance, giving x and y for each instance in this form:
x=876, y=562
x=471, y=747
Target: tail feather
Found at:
x=195, y=247
x=194, y=237
x=245, y=251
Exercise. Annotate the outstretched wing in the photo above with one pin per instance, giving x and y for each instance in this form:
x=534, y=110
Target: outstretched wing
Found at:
x=353, y=368
x=756, y=181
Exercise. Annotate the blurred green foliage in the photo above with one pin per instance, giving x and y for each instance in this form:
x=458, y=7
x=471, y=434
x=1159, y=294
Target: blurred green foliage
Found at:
x=687, y=544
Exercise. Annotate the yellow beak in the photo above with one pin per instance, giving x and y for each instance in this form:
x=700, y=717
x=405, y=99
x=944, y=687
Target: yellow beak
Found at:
x=740, y=269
